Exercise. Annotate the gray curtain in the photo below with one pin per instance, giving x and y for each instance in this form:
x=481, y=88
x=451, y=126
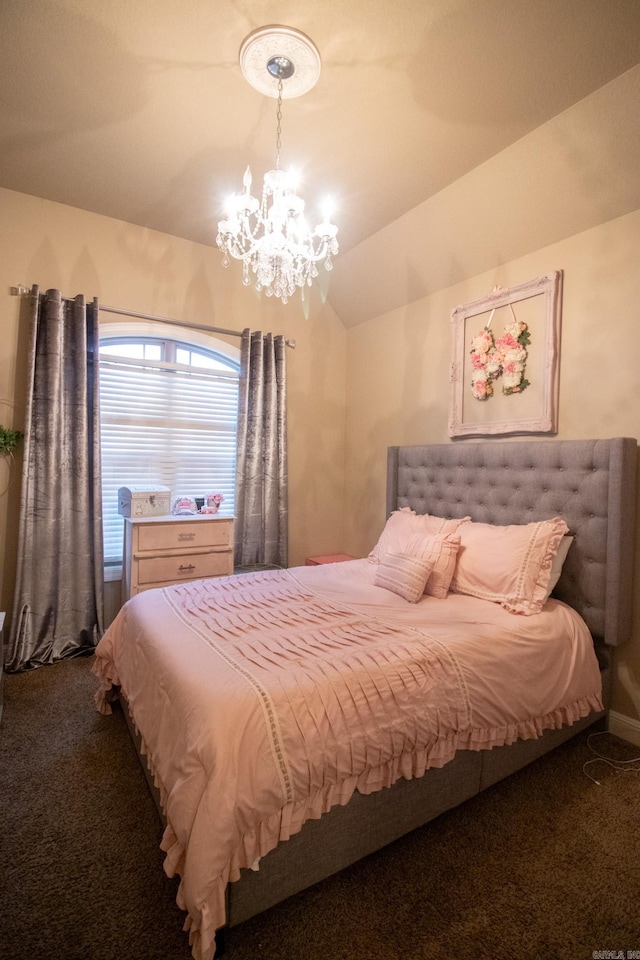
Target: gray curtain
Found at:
x=261, y=529
x=58, y=606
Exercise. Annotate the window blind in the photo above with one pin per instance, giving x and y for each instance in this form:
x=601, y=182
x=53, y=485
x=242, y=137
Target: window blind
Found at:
x=169, y=424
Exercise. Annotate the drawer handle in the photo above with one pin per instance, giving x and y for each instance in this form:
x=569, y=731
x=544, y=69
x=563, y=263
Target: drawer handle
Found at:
x=186, y=536
x=183, y=566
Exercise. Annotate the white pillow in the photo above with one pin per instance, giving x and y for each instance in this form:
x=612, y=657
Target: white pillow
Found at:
x=558, y=562
x=403, y=574
x=441, y=550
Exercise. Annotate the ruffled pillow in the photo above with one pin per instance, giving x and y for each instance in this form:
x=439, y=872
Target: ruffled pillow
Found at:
x=558, y=563
x=441, y=550
x=404, y=524
x=509, y=565
x=403, y=574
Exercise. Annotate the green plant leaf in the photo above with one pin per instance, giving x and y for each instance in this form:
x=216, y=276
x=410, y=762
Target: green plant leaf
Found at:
x=9, y=439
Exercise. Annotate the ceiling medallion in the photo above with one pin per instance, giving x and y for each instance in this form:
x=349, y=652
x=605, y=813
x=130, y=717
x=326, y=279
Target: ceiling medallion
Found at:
x=267, y=44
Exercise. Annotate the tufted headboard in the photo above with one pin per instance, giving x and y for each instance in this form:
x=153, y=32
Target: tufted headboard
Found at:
x=589, y=483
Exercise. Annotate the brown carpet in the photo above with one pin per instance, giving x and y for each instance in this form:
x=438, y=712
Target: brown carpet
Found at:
x=544, y=866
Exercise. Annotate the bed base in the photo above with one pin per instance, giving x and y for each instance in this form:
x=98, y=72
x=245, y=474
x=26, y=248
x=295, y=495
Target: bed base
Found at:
x=368, y=823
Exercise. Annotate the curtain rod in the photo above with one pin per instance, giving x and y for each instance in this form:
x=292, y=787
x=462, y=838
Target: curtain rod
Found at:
x=21, y=291
x=180, y=323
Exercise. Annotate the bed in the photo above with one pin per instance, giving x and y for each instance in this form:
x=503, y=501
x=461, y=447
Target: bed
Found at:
x=295, y=721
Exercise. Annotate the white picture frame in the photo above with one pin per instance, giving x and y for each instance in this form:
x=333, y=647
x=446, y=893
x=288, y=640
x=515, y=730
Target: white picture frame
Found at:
x=533, y=409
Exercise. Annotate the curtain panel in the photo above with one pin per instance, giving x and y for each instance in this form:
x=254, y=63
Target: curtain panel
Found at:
x=58, y=605
x=261, y=529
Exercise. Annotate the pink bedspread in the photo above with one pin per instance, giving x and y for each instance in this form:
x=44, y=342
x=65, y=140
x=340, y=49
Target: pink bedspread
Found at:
x=262, y=700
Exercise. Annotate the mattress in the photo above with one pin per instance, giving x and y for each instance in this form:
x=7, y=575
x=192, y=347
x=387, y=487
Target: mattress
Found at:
x=262, y=700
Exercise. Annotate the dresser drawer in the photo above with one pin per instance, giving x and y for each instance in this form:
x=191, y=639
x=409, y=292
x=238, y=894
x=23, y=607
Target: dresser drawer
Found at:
x=192, y=567
x=185, y=535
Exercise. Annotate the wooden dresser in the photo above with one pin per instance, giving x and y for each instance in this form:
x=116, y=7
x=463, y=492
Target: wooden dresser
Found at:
x=159, y=551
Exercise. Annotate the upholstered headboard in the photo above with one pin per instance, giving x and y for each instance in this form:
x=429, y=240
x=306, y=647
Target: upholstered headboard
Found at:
x=589, y=483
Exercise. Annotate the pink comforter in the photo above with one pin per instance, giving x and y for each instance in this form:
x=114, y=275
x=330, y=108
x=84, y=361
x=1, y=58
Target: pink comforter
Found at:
x=262, y=700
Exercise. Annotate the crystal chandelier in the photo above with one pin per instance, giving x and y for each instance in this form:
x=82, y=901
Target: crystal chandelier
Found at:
x=271, y=236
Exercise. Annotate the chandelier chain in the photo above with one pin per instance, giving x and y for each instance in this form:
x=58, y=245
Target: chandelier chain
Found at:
x=279, y=124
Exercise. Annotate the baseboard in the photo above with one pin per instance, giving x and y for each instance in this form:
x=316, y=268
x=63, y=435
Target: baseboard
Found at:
x=625, y=727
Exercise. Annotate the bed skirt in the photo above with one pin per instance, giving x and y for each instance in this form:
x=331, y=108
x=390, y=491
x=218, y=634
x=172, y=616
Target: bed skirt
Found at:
x=369, y=822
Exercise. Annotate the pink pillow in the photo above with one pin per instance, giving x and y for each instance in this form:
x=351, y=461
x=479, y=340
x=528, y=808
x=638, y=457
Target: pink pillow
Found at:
x=441, y=550
x=405, y=524
x=510, y=565
x=403, y=574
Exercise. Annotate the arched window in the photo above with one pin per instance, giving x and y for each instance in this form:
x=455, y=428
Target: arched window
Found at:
x=168, y=410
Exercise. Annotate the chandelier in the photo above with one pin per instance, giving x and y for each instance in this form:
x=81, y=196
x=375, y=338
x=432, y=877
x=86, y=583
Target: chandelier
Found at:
x=271, y=235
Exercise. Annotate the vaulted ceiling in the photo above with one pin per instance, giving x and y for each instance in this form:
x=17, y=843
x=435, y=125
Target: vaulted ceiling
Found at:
x=139, y=110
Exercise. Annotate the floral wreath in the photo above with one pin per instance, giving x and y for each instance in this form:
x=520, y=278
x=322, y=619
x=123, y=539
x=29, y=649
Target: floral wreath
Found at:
x=505, y=357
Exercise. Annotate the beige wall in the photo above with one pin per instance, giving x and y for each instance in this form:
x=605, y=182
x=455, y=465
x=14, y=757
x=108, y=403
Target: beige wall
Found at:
x=389, y=374
x=407, y=401
x=130, y=267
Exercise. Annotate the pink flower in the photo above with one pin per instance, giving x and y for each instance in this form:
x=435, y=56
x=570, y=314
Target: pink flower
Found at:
x=506, y=342
x=492, y=359
x=481, y=389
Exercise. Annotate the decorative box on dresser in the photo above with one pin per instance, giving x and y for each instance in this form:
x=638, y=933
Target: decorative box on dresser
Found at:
x=159, y=551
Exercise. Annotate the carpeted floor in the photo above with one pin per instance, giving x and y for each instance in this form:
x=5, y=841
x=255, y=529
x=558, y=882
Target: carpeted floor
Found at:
x=544, y=866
